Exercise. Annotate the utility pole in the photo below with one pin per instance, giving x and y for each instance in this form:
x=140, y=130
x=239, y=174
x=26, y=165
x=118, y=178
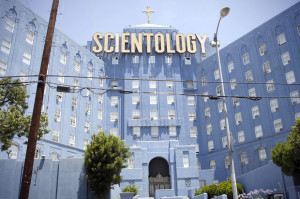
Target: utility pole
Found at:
x=34, y=127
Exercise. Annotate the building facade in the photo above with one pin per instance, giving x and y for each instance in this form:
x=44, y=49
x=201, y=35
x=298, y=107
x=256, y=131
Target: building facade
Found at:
x=160, y=98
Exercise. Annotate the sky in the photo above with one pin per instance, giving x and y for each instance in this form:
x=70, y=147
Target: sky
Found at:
x=80, y=19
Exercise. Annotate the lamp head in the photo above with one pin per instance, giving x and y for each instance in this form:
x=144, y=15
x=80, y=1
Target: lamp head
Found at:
x=224, y=12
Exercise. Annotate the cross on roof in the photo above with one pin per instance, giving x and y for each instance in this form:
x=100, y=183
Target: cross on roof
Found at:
x=148, y=12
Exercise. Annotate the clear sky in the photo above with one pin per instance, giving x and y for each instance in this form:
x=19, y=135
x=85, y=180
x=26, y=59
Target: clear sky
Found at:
x=79, y=19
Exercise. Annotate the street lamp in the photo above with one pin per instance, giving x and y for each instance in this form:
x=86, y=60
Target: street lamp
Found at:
x=223, y=13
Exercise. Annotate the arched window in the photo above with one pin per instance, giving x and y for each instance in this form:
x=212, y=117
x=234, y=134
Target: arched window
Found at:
x=212, y=164
x=13, y=151
x=244, y=158
x=262, y=154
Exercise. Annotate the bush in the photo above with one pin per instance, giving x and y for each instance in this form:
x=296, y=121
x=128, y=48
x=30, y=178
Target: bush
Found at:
x=131, y=188
x=211, y=190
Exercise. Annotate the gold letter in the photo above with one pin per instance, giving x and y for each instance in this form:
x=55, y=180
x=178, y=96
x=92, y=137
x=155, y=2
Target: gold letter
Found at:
x=111, y=48
x=169, y=50
x=136, y=44
x=202, y=42
x=183, y=47
x=124, y=42
x=148, y=37
x=98, y=48
x=162, y=43
x=117, y=43
x=190, y=38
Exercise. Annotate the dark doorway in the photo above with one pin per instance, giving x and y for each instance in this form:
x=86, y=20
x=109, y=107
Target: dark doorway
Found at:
x=159, y=176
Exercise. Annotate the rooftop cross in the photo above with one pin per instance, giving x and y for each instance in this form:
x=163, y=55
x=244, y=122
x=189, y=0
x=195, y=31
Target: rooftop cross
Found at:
x=148, y=12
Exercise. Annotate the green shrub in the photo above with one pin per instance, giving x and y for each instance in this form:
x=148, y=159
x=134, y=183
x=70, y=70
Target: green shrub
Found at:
x=211, y=190
x=131, y=188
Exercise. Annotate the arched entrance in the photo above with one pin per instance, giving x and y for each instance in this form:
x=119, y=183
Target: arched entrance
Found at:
x=159, y=176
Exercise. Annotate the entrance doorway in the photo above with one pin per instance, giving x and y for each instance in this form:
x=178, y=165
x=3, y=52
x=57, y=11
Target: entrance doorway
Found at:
x=159, y=176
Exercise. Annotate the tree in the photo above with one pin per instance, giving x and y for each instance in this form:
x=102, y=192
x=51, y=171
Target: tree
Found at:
x=104, y=159
x=13, y=95
x=287, y=154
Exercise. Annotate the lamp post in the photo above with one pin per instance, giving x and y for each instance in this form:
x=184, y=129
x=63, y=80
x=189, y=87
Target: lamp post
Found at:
x=223, y=13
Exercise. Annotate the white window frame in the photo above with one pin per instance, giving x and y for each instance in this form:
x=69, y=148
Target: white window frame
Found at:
x=114, y=116
x=55, y=135
x=186, y=160
x=189, y=84
x=100, y=98
x=100, y=114
x=258, y=131
x=61, y=76
x=262, y=154
x=171, y=114
x=114, y=132
x=266, y=67
x=72, y=140
x=172, y=131
x=114, y=100
x=204, y=81
x=224, y=142
x=3, y=68
x=191, y=100
x=293, y=99
x=246, y=58
x=170, y=99
x=286, y=59
x=135, y=59
x=209, y=129
x=249, y=76
x=274, y=105
x=90, y=74
x=152, y=84
x=88, y=108
x=136, y=114
x=212, y=164
x=219, y=90
x=217, y=74
x=153, y=114
x=207, y=112
x=26, y=57
x=74, y=102
x=154, y=131
x=252, y=92
x=222, y=124
x=77, y=66
x=75, y=83
x=238, y=118
x=233, y=84
x=135, y=83
x=244, y=158
x=169, y=84
x=290, y=77
x=235, y=101
x=87, y=126
x=131, y=162
x=255, y=112
x=193, y=131
x=6, y=45
x=10, y=24
x=114, y=84
x=262, y=49
x=168, y=59
x=63, y=57
x=192, y=116
x=115, y=60
x=153, y=99
x=270, y=86
x=30, y=37
x=227, y=162
x=135, y=99
x=241, y=136
x=210, y=145
x=59, y=96
x=187, y=60
x=281, y=39
x=136, y=131
x=205, y=99
x=278, y=125
x=151, y=59
x=57, y=115
x=220, y=106
x=73, y=121
x=230, y=67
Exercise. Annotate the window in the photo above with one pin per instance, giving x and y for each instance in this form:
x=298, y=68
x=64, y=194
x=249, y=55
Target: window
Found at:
x=131, y=162
x=153, y=99
x=204, y=81
x=258, y=131
x=222, y=124
x=210, y=145
x=154, y=131
x=3, y=67
x=262, y=154
x=88, y=92
x=114, y=101
x=255, y=112
x=113, y=116
x=10, y=25
x=135, y=83
x=246, y=59
x=26, y=57
x=59, y=96
x=297, y=115
x=168, y=59
x=169, y=84
x=101, y=82
x=24, y=77
x=219, y=90
x=63, y=57
x=171, y=114
x=186, y=159
x=114, y=83
x=241, y=136
x=99, y=128
x=73, y=121
x=85, y=143
x=37, y=153
x=72, y=140
x=136, y=131
x=208, y=129
x=172, y=131
x=115, y=60
x=274, y=105
x=233, y=84
x=151, y=59
x=55, y=135
x=193, y=131
x=191, y=100
x=217, y=74
x=75, y=84
x=100, y=114
x=236, y=101
x=249, y=76
x=114, y=131
x=277, y=125
x=87, y=108
x=207, y=112
x=135, y=59
x=74, y=102
x=230, y=66
x=5, y=47
x=290, y=77
x=87, y=126
x=57, y=115
x=153, y=115
x=205, y=99
x=224, y=141
x=77, y=67
x=270, y=86
x=244, y=158
x=136, y=114
x=262, y=49
x=252, y=92
x=90, y=74
x=61, y=76
x=170, y=99
x=227, y=162
x=189, y=84
x=100, y=99
x=221, y=106
x=266, y=67
x=54, y=156
x=212, y=164
x=196, y=147
x=285, y=57
x=187, y=61
x=152, y=84
x=295, y=97
x=202, y=183
x=29, y=37
x=199, y=165
x=216, y=182
x=281, y=39
x=238, y=118
x=192, y=115
x=135, y=99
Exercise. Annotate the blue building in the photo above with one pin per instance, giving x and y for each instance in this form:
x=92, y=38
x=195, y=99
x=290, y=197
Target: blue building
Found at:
x=151, y=86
